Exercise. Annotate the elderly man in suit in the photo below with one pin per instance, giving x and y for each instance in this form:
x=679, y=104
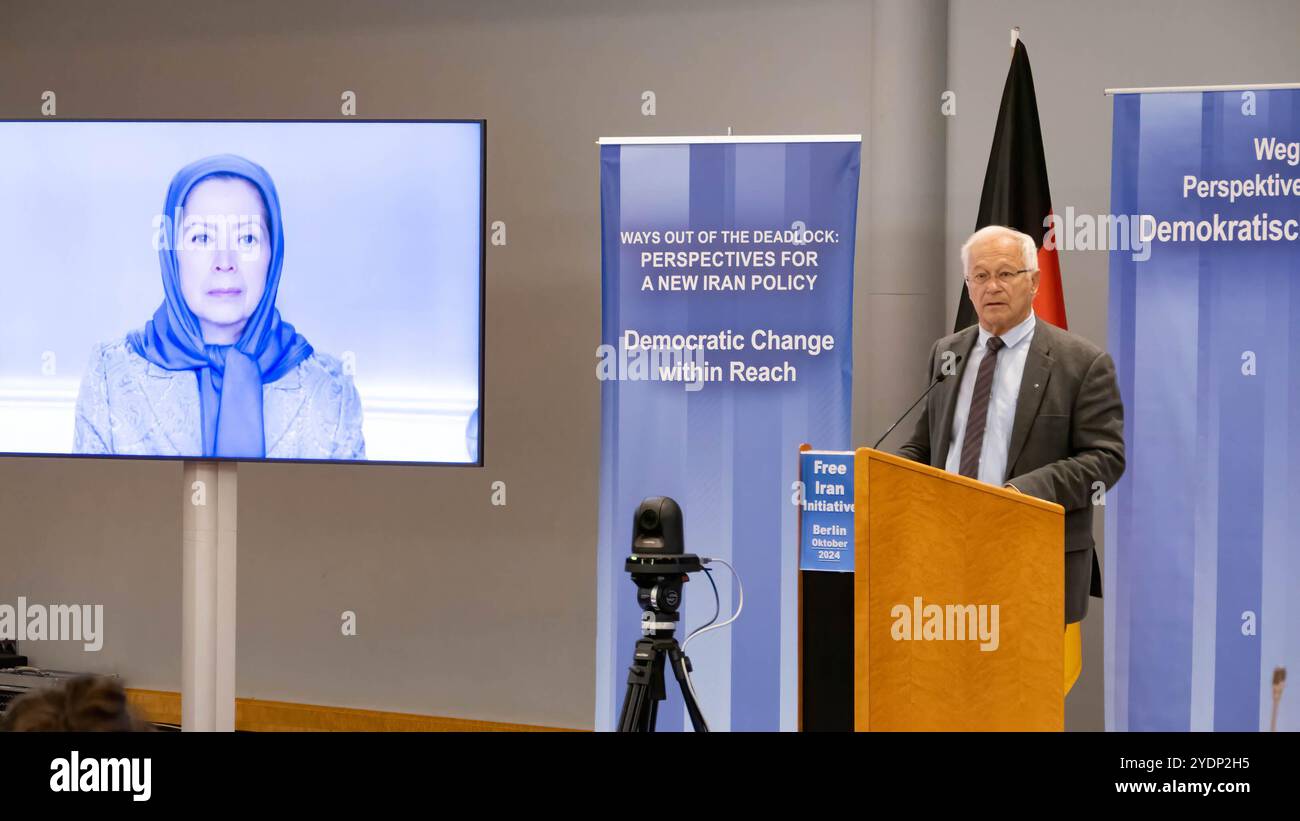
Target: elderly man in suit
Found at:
x=1025, y=404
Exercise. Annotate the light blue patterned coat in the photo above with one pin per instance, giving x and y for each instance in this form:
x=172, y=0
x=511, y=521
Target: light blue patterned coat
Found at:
x=130, y=406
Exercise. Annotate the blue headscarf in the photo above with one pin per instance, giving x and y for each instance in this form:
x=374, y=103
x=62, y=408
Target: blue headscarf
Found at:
x=230, y=377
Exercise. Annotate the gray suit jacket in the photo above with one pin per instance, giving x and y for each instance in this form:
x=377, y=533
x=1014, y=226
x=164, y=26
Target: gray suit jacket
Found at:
x=129, y=406
x=1067, y=436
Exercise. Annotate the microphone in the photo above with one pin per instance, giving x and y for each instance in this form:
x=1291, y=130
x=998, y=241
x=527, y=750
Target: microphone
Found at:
x=942, y=376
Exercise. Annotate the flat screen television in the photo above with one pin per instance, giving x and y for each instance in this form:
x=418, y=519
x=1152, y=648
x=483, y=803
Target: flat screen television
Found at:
x=251, y=290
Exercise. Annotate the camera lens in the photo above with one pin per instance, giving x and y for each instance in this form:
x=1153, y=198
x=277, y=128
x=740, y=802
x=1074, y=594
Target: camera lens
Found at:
x=649, y=519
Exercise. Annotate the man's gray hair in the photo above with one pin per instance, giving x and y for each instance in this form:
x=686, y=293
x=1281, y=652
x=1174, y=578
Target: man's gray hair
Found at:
x=1027, y=247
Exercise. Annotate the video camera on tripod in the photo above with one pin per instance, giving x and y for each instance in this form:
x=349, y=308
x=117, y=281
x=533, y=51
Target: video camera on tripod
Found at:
x=659, y=566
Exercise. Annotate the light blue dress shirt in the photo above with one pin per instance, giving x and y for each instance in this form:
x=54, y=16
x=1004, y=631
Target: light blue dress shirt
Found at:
x=1007, y=372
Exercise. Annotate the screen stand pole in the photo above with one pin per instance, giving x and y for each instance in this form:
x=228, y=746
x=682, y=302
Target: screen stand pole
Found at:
x=209, y=515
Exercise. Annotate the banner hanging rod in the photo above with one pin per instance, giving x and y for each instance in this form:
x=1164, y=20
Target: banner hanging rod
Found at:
x=718, y=138
x=1185, y=89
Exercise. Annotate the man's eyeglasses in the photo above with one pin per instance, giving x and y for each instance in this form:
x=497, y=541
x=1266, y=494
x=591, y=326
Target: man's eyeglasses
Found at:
x=1005, y=277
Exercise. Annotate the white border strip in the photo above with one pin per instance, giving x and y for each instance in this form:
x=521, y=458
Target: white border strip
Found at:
x=1184, y=89
x=717, y=138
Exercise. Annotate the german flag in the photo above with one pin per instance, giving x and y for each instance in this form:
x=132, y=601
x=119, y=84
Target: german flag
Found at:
x=1016, y=193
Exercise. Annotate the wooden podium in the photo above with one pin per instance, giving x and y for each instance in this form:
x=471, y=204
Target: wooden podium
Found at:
x=931, y=548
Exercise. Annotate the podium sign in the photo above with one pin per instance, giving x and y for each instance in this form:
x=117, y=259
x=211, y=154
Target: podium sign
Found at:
x=826, y=523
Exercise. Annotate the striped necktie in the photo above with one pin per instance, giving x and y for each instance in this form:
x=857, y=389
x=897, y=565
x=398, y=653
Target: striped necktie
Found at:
x=978, y=416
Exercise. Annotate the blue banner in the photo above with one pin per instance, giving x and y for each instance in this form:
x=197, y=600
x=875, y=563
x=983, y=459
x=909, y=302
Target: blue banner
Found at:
x=1202, y=553
x=826, y=529
x=727, y=275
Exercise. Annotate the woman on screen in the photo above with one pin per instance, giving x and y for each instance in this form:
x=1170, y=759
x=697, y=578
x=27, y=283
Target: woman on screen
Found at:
x=216, y=372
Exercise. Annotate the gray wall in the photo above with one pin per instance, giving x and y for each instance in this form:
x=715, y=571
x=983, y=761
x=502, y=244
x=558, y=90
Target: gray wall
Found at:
x=465, y=609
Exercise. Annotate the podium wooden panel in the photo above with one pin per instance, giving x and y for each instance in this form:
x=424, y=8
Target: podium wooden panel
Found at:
x=922, y=532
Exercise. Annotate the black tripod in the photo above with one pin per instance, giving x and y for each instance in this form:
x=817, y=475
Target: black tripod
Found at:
x=645, y=678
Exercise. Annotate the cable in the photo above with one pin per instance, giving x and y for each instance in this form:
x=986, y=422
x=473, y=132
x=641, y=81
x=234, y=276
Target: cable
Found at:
x=717, y=610
x=740, y=604
x=709, y=625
